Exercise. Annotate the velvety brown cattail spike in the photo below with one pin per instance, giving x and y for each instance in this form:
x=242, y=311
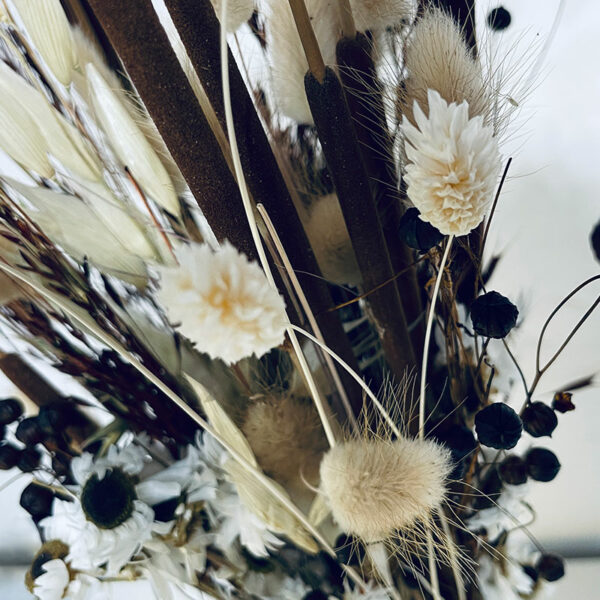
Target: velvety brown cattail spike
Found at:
x=342, y=153
x=364, y=95
x=138, y=37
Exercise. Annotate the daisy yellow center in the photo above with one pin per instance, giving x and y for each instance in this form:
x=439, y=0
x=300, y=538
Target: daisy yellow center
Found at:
x=108, y=502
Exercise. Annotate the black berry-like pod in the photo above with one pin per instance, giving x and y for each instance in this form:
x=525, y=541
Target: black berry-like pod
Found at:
x=499, y=18
x=416, y=233
x=29, y=432
x=542, y=464
x=562, y=402
x=493, y=315
x=37, y=501
x=595, y=241
x=498, y=426
x=550, y=567
x=29, y=460
x=513, y=470
x=539, y=419
x=10, y=410
x=9, y=456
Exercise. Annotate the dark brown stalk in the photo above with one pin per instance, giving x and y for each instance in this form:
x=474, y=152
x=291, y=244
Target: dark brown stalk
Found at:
x=308, y=39
x=135, y=32
x=340, y=147
x=365, y=101
x=198, y=28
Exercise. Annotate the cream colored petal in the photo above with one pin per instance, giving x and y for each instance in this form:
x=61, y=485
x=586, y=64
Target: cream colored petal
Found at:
x=130, y=144
x=48, y=28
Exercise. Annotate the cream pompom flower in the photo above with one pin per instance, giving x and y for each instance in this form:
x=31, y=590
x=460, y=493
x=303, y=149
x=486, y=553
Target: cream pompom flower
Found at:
x=453, y=165
x=223, y=302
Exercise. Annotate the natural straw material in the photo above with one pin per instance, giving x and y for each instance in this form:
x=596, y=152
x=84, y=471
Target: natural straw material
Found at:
x=138, y=37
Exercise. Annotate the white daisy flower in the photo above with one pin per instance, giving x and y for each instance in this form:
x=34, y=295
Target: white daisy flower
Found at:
x=453, y=165
x=51, y=584
x=223, y=302
x=107, y=523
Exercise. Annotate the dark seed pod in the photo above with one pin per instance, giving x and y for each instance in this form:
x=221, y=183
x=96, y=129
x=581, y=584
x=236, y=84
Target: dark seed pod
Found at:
x=542, y=464
x=29, y=460
x=2, y=432
x=499, y=19
x=37, y=501
x=539, y=419
x=595, y=241
x=562, y=402
x=29, y=432
x=9, y=456
x=493, y=315
x=513, y=470
x=550, y=567
x=498, y=426
x=52, y=418
x=316, y=595
x=10, y=410
x=416, y=233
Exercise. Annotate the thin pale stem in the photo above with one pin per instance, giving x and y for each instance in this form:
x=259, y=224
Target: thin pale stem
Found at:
x=307, y=310
x=241, y=181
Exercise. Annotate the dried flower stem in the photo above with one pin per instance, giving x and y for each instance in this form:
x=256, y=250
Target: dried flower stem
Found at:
x=365, y=101
x=340, y=147
x=142, y=44
x=198, y=28
x=308, y=39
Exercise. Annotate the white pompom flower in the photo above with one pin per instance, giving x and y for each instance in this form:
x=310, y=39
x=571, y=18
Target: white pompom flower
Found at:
x=53, y=581
x=223, y=302
x=453, y=165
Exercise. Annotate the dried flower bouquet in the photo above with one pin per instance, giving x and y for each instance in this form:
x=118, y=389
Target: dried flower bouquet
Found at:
x=258, y=250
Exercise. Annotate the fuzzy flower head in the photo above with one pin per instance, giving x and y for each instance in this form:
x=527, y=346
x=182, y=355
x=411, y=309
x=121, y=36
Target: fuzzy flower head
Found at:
x=223, y=302
x=453, y=165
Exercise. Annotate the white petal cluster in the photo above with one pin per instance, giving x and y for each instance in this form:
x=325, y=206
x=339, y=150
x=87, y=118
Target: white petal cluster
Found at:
x=89, y=546
x=453, y=165
x=223, y=302
x=51, y=584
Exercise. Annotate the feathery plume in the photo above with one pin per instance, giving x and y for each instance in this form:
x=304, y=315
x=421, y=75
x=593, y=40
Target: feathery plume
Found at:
x=453, y=165
x=223, y=302
x=287, y=438
x=437, y=58
x=130, y=144
x=46, y=24
x=42, y=131
x=376, y=487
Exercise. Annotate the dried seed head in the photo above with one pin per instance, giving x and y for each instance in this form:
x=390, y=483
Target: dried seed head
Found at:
x=438, y=58
x=287, y=438
x=376, y=487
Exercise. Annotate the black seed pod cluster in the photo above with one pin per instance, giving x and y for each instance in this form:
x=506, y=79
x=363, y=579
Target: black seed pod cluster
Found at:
x=498, y=426
x=416, y=233
x=539, y=419
x=493, y=315
x=9, y=456
x=316, y=595
x=542, y=464
x=29, y=432
x=29, y=460
x=37, y=501
x=10, y=410
x=513, y=470
x=550, y=567
x=499, y=19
